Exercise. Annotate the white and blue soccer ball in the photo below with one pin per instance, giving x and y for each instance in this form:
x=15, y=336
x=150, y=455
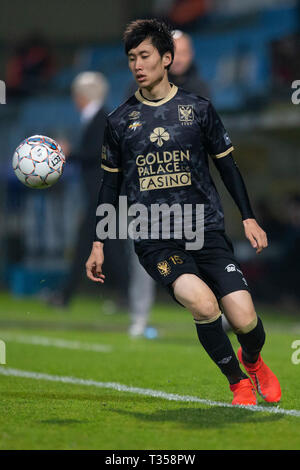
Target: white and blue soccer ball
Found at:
x=38, y=162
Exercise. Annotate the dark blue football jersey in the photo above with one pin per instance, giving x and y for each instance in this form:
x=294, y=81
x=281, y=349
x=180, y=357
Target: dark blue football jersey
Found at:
x=162, y=149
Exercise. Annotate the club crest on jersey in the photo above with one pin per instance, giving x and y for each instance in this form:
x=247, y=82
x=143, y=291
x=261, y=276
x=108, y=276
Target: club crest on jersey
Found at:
x=164, y=268
x=159, y=135
x=186, y=113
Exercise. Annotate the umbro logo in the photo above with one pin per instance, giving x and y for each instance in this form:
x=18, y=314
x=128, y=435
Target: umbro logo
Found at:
x=134, y=115
x=225, y=360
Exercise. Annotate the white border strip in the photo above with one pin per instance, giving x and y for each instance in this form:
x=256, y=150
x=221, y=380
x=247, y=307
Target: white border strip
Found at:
x=55, y=342
x=141, y=391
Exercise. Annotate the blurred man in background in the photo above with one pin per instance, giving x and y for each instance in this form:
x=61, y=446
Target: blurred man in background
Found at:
x=89, y=92
x=183, y=72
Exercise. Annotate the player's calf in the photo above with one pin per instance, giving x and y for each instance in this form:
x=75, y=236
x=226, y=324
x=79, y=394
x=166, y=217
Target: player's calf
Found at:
x=218, y=346
x=198, y=298
x=252, y=338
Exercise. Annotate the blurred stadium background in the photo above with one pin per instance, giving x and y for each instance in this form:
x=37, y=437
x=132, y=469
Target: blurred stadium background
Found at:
x=248, y=53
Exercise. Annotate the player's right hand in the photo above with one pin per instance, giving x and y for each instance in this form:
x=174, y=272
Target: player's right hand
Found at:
x=95, y=262
x=255, y=234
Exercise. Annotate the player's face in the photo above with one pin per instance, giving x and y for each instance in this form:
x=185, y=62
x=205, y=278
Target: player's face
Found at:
x=146, y=64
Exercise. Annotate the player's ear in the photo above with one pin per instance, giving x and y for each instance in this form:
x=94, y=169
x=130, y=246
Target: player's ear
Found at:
x=167, y=59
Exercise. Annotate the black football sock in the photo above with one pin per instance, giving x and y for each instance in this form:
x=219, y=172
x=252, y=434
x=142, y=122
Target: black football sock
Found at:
x=252, y=342
x=218, y=346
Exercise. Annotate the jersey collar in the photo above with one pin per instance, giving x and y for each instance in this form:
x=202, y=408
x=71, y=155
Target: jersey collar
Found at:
x=169, y=96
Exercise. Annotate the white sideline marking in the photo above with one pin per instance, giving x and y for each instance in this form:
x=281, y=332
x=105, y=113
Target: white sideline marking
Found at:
x=56, y=342
x=141, y=391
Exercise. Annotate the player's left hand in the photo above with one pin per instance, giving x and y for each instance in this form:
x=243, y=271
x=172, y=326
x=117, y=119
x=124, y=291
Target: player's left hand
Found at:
x=255, y=234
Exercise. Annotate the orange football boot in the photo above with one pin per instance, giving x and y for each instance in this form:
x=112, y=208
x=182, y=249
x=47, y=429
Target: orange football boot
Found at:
x=243, y=393
x=264, y=380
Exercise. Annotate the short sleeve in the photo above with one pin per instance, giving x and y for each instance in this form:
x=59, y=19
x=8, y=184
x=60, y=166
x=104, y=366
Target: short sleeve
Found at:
x=217, y=140
x=111, y=155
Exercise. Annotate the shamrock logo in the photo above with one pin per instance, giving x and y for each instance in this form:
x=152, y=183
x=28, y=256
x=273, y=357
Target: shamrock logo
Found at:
x=158, y=136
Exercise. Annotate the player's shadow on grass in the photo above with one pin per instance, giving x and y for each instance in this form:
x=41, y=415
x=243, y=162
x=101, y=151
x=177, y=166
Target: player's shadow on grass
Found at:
x=213, y=417
x=202, y=417
x=63, y=422
x=103, y=399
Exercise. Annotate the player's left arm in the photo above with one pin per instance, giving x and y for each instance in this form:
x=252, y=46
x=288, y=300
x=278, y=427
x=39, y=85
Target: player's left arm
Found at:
x=235, y=185
x=219, y=146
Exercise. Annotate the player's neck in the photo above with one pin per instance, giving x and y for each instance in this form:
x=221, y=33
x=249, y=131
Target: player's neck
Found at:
x=158, y=91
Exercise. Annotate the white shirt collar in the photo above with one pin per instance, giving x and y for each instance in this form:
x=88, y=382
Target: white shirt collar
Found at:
x=90, y=110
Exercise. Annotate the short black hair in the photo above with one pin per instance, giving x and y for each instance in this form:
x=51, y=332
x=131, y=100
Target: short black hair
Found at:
x=158, y=31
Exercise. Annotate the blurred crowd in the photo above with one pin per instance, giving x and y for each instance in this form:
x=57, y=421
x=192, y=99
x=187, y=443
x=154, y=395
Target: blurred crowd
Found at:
x=30, y=67
x=275, y=275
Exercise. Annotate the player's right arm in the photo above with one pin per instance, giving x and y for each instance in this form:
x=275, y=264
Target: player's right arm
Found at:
x=110, y=188
x=95, y=262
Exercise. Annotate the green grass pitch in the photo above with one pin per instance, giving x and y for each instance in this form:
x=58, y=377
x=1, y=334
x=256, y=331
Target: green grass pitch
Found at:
x=101, y=408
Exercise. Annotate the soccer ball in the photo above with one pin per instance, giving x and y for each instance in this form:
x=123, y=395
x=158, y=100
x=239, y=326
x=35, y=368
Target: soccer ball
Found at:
x=38, y=162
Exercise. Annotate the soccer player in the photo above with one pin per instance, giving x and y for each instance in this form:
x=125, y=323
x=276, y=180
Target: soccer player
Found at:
x=158, y=143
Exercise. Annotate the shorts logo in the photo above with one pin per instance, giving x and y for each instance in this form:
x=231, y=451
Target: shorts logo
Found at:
x=164, y=268
x=159, y=135
x=186, y=113
x=230, y=268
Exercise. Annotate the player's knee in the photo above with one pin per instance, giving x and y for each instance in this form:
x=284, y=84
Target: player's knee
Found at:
x=205, y=310
x=246, y=326
x=196, y=297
